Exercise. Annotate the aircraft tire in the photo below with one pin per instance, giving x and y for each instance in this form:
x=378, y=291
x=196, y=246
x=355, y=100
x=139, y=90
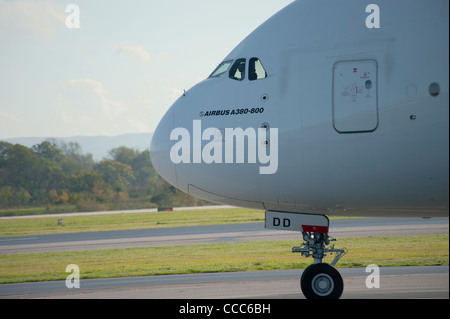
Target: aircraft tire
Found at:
x=321, y=281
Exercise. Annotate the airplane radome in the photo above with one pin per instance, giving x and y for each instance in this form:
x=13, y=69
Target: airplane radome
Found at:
x=353, y=94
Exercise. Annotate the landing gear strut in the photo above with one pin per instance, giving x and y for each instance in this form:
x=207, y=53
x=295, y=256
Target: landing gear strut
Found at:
x=320, y=280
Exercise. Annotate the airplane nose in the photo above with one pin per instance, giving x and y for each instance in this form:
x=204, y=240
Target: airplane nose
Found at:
x=160, y=148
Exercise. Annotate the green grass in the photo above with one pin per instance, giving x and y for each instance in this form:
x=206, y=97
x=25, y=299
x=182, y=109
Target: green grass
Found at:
x=224, y=257
x=73, y=224
x=22, y=211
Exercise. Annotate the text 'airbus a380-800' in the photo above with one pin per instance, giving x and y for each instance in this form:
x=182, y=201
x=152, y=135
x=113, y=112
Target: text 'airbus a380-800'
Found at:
x=327, y=108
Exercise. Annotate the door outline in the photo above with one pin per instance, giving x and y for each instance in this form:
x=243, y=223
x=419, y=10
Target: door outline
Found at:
x=369, y=130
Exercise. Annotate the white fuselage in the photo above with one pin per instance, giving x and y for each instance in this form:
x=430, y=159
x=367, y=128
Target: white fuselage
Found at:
x=361, y=115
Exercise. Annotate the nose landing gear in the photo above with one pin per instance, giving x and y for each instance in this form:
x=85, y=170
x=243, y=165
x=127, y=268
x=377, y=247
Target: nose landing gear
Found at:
x=320, y=280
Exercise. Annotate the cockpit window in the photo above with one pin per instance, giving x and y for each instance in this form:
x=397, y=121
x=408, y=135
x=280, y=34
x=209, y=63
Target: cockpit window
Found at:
x=221, y=69
x=237, y=71
x=256, y=70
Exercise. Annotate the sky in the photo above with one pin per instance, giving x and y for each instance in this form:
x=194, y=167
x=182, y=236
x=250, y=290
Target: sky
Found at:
x=120, y=70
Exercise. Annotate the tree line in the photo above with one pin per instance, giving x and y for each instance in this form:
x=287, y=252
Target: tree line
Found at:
x=60, y=176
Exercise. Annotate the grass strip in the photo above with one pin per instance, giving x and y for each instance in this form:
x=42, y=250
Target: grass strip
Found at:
x=224, y=257
x=74, y=224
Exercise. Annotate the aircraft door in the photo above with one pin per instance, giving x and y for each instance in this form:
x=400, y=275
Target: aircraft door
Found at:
x=355, y=102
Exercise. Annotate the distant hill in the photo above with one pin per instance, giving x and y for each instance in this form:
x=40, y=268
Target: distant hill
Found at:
x=98, y=146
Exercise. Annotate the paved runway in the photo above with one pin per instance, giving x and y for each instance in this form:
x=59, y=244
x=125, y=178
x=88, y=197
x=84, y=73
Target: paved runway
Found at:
x=395, y=283
x=339, y=228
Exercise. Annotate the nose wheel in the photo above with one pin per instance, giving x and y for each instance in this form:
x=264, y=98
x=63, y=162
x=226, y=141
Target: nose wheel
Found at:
x=321, y=281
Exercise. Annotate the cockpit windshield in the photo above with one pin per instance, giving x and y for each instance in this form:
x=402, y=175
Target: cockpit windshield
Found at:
x=221, y=69
x=256, y=70
x=237, y=71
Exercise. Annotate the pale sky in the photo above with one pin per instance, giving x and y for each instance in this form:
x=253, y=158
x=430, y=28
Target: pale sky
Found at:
x=121, y=70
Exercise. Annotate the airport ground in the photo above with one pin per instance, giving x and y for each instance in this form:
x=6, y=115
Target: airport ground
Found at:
x=395, y=282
